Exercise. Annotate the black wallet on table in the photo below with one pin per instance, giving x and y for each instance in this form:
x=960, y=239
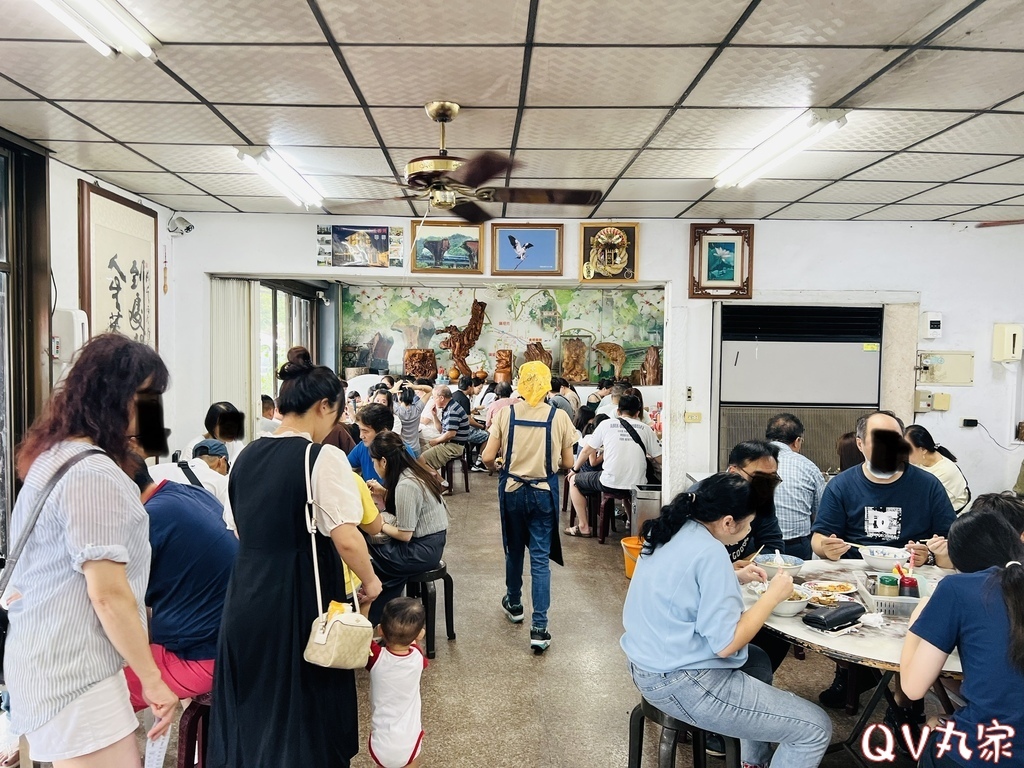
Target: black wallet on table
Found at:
x=836, y=617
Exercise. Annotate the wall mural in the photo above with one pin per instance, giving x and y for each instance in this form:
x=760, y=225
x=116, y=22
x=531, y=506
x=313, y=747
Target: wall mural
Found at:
x=595, y=332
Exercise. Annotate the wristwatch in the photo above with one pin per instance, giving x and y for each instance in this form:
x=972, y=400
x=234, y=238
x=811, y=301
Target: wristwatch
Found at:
x=931, y=559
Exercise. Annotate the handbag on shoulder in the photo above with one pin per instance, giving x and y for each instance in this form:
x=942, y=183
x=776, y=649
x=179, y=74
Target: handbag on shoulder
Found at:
x=341, y=641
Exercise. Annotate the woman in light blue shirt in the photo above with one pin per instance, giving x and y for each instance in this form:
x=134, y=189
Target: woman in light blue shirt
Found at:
x=687, y=634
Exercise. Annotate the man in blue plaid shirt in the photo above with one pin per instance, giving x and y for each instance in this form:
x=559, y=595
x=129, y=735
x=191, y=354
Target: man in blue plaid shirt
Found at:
x=798, y=496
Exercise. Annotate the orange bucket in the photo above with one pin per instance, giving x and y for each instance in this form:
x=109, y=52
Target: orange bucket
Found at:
x=631, y=546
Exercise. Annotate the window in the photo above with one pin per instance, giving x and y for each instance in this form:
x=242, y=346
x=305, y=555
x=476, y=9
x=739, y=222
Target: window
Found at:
x=287, y=319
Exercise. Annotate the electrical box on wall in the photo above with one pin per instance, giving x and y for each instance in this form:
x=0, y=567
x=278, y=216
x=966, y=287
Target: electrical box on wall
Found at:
x=931, y=325
x=1006, y=342
x=922, y=401
x=946, y=368
x=940, y=401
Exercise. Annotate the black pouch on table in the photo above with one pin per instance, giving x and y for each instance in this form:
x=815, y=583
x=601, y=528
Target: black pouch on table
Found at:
x=835, y=617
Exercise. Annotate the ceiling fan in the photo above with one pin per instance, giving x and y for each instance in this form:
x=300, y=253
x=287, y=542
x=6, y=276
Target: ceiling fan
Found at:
x=1007, y=223
x=453, y=184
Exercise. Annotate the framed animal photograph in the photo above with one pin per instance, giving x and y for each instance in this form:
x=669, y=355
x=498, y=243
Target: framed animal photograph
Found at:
x=526, y=249
x=721, y=261
x=609, y=252
x=447, y=246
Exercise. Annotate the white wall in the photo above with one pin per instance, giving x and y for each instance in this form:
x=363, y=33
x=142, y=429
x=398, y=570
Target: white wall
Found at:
x=972, y=276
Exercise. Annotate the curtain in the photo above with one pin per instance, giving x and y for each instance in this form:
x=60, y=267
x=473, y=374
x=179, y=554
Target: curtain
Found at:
x=234, y=350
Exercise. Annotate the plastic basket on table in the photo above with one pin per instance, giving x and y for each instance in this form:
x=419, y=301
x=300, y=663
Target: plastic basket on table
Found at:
x=896, y=606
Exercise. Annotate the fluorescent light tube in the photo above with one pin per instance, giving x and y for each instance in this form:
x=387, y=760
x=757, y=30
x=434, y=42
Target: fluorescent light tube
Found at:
x=286, y=179
x=106, y=19
x=809, y=128
x=75, y=26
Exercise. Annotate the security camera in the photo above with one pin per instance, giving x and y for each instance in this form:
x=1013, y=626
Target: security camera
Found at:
x=322, y=297
x=179, y=225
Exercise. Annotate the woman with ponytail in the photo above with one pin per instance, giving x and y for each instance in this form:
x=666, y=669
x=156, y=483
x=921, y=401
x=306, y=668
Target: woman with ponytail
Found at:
x=687, y=634
x=980, y=612
x=940, y=461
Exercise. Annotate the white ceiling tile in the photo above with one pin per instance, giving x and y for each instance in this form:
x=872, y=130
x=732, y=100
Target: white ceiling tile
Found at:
x=785, y=77
x=472, y=129
x=138, y=122
x=372, y=208
x=682, y=163
x=827, y=211
x=611, y=77
x=991, y=213
x=654, y=22
x=520, y=211
x=149, y=183
x=30, y=21
x=875, y=192
x=767, y=191
x=186, y=203
x=98, y=156
x=313, y=126
x=462, y=21
x=927, y=166
x=876, y=130
x=721, y=128
x=473, y=77
x=588, y=128
x=911, y=213
x=659, y=189
x=329, y=161
x=74, y=70
x=996, y=24
x=822, y=165
x=870, y=22
x=227, y=21
x=575, y=164
x=241, y=184
x=262, y=74
x=968, y=194
x=640, y=210
x=995, y=133
x=193, y=158
x=9, y=90
x=930, y=79
x=709, y=210
x=1015, y=105
x=278, y=204
x=354, y=187
x=1007, y=173
x=39, y=120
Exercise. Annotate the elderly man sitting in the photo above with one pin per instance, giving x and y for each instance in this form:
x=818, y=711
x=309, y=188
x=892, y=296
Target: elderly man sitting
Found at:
x=452, y=423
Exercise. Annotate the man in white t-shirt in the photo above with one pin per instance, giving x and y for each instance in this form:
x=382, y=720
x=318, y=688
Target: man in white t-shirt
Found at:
x=208, y=469
x=624, y=465
x=268, y=424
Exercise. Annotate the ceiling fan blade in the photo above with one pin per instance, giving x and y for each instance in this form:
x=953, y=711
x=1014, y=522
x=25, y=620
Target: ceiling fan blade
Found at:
x=481, y=168
x=471, y=212
x=1008, y=223
x=539, y=196
x=363, y=203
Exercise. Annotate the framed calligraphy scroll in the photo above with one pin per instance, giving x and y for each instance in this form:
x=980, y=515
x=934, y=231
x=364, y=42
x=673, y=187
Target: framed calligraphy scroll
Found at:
x=117, y=243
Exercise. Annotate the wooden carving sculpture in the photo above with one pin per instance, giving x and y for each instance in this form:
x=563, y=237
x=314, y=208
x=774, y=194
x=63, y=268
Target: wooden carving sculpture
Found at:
x=420, y=363
x=615, y=353
x=650, y=369
x=574, y=360
x=503, y=365
x=535, y=351
x=459, y=343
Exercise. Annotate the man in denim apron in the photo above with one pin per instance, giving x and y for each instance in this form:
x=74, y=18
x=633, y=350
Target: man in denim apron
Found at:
x=529, y=435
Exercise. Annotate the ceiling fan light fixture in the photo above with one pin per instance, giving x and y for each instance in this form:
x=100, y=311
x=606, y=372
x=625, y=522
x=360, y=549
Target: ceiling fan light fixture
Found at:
x=442, y=198
x=105, y=26
x=270, y=165
x=807, y=129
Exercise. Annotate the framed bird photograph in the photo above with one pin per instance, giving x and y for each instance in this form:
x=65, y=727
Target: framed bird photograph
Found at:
x=526, y=249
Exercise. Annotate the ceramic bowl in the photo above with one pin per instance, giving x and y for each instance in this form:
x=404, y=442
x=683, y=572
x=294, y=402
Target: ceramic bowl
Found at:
x=884, y=558
x=793, y=607
x=792, y=566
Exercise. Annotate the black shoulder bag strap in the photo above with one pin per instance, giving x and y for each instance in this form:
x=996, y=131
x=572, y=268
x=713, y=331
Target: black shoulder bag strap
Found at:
x=653, y=476
x=967, y=486
x=12, y=558
x=187, y=470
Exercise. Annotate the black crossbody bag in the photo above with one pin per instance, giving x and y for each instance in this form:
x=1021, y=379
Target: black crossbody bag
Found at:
x=12, y=560
x=653, y=468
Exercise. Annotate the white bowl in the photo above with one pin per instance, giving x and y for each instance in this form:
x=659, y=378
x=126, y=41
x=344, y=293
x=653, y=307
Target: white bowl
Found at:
x=884, y=558
x=793, y=607
x=792, y=566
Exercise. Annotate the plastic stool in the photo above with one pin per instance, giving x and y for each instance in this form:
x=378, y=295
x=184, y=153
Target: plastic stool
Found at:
x=193, y=729
x=425, y=582
x=671, y=729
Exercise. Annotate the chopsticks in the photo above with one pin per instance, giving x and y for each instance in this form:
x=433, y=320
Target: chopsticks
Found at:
x=750, y=558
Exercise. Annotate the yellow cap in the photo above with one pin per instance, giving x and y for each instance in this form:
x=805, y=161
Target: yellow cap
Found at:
x=534, y=382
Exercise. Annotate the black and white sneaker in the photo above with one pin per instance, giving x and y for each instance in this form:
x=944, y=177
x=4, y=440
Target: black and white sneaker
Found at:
x=540, y=639
x=478, y=467
x=514, y=612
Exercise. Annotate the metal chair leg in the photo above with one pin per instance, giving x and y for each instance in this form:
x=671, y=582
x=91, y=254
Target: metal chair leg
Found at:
x=449, y=605
x=636, y=736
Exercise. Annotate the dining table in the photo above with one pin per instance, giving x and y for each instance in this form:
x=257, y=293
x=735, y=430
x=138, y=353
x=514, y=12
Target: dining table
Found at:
x=877, y=648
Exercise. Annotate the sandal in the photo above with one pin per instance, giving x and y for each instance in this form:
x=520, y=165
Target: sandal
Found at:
x=574, y=530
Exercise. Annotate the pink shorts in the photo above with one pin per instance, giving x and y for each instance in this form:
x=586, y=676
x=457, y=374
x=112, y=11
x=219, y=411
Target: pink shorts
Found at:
x=185, y=678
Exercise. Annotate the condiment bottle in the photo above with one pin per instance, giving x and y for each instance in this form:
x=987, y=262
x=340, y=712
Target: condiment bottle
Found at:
x=908, y=587
x=888, y=586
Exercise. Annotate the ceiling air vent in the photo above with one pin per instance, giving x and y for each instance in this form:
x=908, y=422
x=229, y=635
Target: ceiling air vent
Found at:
x=774, y=323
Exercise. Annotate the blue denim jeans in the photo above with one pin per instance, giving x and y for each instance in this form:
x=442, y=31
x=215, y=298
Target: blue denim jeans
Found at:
x=529, y=520
x=733, y=703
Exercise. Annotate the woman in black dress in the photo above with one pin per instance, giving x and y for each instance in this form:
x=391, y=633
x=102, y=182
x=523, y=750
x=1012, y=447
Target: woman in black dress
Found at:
x=271, y=708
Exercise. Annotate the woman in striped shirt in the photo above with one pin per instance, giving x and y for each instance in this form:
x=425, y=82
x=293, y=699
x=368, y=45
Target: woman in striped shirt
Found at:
x=76, y=597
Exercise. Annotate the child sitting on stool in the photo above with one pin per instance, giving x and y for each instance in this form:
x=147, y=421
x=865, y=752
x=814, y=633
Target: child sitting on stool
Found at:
x=396, y=732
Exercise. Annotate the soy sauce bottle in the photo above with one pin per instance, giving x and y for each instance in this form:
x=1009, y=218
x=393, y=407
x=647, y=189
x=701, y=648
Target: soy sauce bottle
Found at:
x=908, y=587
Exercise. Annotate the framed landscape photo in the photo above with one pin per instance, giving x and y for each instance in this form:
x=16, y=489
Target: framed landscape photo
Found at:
x=446, y=247
x=721, y=261
x=609, y=252
x=117, y=241
x=526, y=249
